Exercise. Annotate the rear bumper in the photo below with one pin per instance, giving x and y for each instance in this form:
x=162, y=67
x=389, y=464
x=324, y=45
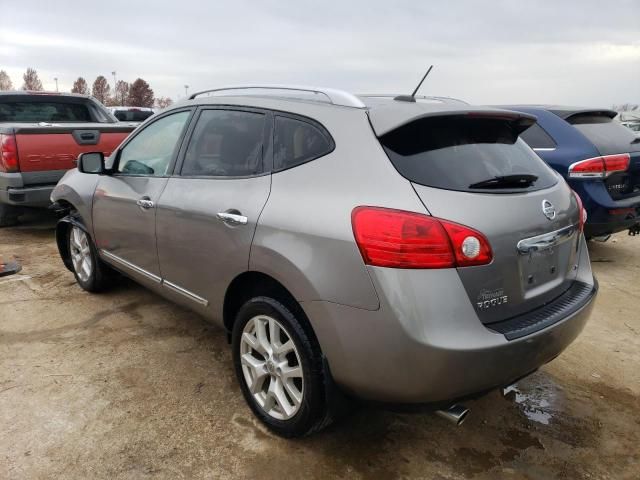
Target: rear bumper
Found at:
x=427, y=345
x=15, y=188
x=27, y=196
x=605, y=215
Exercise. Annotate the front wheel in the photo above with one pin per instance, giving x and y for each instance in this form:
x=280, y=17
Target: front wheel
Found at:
x=279, y=368
x=91, y=274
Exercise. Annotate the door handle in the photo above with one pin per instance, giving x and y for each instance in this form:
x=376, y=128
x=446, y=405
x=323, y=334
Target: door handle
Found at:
x=233, y=219
x=145, y=203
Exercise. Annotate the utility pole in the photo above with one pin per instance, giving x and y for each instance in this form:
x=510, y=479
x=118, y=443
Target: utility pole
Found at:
x=186, y=90
x=56, y=79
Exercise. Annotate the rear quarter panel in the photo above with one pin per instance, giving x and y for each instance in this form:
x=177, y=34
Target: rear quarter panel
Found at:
x=304, y=237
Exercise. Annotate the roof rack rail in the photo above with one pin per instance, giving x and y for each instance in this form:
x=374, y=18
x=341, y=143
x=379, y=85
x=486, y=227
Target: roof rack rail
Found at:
x=332, y=96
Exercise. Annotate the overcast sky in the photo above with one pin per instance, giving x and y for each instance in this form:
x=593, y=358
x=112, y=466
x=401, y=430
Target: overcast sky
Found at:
x=570, y=51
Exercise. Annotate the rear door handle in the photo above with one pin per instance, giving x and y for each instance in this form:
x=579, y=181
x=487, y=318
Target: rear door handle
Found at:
x=145, y=203
x=232, y=218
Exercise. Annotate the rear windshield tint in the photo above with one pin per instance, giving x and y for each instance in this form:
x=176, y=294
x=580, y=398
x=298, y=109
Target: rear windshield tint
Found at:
x=608, y=135
x=132, y=115
x=455, y=153
x=52, y=111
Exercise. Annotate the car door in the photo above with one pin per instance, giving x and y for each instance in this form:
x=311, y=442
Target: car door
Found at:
x=124, y=213
x=207, y=213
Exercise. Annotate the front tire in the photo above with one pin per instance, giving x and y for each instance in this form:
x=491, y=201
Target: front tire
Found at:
x=91, y=274
x=279, y=368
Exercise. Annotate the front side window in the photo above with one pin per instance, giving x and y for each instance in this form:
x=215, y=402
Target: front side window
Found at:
x=151, y=151
x=297, y=142
x=226, y=143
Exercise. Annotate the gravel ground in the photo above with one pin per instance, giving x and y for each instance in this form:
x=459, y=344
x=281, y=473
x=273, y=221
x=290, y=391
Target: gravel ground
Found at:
x=127, y=385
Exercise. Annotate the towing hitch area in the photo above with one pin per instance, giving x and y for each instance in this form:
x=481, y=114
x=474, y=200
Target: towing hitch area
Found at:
x=635, y=230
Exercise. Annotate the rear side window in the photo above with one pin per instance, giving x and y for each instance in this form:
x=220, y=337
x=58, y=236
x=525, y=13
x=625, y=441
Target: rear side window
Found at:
x=51, y=111
x=297, y=142
x=226, y=143
x=536, y=137
x=608, y=135
x=456, y=153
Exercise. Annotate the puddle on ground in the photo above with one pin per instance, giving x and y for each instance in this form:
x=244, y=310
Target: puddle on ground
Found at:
x=537, y=396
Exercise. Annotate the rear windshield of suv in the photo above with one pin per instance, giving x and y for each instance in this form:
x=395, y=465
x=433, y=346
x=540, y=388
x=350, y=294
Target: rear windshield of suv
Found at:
x=608, y=135
x=457, y=153
x=50, y=111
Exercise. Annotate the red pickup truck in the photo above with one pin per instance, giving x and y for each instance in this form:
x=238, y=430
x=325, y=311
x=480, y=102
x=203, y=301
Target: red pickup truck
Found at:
x=41, y=136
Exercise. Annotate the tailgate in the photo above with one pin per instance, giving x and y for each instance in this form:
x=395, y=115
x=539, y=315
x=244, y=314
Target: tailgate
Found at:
x=473, y=170
x=45, y=148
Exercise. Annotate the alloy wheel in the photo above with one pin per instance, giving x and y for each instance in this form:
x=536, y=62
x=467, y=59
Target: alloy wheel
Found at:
x=80, y=253
x=271, y=367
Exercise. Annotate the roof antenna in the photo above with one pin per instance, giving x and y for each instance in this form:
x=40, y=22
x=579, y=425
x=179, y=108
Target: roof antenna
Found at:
x=412, y=97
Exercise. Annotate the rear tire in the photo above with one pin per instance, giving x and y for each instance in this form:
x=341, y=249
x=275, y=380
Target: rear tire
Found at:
x=90, y=272
x=8, y=215
x=280, y=369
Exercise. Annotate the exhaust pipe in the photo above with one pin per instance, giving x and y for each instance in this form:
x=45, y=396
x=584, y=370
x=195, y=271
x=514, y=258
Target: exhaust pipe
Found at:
x=455, y=414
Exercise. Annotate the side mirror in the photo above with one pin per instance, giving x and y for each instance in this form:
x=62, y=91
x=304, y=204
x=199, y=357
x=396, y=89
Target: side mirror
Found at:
x=91, y=162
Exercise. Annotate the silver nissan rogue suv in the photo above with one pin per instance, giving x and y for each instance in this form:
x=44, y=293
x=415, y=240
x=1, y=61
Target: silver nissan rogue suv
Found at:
x=395, y=249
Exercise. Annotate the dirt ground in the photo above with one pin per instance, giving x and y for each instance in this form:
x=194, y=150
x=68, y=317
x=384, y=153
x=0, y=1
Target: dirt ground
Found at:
x=127, y=385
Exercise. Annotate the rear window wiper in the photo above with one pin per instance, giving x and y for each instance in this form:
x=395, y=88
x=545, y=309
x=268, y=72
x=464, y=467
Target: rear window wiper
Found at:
x=520, y=180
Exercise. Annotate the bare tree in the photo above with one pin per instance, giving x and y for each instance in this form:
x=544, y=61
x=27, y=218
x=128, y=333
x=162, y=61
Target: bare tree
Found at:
x=101, y=89
x=140, y=94
x=121, y=93
x=31, y=80
x=163, y=102
x=80, y=86
x=5, y=81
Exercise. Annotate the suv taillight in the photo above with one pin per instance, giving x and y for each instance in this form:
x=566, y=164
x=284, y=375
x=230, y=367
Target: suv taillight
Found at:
x=8, y=154
x=581, y=209
x=399, y=239
x=600, y=167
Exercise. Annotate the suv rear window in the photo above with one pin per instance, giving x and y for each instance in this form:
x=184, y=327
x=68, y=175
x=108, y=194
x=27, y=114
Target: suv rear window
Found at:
x=455, y=152
x=608, y=135
x=50, y=111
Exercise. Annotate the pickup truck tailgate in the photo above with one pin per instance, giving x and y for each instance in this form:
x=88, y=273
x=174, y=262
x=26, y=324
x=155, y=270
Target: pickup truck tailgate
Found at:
x=56, y=147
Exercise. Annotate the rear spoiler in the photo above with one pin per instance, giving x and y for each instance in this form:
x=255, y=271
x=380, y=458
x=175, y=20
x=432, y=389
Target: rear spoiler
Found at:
x=386, y=119
x=567, y=114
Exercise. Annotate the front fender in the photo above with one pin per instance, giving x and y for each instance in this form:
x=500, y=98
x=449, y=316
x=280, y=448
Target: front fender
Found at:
x=77, y=189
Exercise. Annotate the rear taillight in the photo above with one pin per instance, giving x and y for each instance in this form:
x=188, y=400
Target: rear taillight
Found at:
x=399, y=239
x=8, y=154
x=600, y=167
x=581, y=209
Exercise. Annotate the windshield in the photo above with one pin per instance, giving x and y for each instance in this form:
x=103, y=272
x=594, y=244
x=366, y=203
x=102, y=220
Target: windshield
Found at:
x=465, y=154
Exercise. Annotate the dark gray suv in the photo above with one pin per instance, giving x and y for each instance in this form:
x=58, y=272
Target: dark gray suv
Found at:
x=406, y=250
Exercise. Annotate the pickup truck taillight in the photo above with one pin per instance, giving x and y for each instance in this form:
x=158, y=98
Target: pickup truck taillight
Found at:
x=600, y=167
x=8, y=154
